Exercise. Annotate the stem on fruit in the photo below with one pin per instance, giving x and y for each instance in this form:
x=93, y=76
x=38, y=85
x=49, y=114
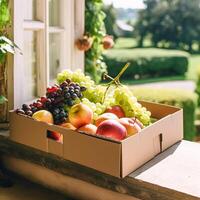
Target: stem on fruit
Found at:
x=114, y=81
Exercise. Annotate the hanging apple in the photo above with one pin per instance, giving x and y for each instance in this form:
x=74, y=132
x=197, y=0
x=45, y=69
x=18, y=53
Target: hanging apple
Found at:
x=85, y=43
x=108, y=42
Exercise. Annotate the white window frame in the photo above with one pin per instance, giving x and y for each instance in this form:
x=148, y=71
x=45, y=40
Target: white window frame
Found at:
x=72, y=28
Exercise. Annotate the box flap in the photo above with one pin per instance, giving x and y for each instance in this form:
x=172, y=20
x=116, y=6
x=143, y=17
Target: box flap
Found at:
x=159, y=111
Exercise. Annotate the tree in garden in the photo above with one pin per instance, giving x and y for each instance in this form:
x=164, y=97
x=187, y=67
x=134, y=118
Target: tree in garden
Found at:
x=175, y=22
x=110, y=20
x=94, y=27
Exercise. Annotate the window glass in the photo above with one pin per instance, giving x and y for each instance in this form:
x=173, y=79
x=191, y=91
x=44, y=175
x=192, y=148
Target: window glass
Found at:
x=54, y=54
x=30, y=70
x=54, y=13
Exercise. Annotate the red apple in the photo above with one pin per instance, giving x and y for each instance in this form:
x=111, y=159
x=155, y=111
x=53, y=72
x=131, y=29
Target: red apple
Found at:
x=131, y=126
x=112, y=129
x=80, y=115
x=88, y=128
x=117, y=110
x=68, y=125
x=104, y=117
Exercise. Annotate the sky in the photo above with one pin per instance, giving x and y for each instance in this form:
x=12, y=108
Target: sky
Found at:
x=126, y=3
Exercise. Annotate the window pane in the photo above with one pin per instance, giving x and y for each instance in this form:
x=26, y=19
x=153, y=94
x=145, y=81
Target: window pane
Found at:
x=54, y=12
x=30, y=70
x=30, y=10
x=54, y=55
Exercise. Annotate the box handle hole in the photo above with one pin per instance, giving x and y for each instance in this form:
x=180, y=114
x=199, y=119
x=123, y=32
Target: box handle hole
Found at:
x=161, y=142
x=56, y=136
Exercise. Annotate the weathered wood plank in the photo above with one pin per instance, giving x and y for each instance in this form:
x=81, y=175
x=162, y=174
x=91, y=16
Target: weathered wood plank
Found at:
x=75, y=188
x=133, y=185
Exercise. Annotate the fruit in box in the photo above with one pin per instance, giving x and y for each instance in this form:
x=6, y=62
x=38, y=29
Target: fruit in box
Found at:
x=104, y=117
x=88, y=128
x=112, y=129
x=131, y=126
x=68, y=125
x=117, y=110
x=80, y=115
x=76, y=101
x=44, y=116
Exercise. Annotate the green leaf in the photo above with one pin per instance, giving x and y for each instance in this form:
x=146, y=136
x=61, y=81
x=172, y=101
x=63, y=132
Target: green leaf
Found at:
x=2, y=99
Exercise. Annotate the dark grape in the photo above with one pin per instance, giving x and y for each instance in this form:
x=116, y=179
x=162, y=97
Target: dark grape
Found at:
x=77, y=91
x=71, y=91
x=57, y=97
x=80, y=95
x=72, y=84
x=74, y=96
x=70, y=103
x=67, y=95
x=34, y=109
x=82, y=88
x=29, y=113
x=20, y=111
x=26, y=107
x=68, y=81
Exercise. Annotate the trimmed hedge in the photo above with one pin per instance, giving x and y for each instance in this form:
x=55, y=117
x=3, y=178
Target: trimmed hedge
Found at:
x=145, y=63
x=176, y=97
x=197, y=90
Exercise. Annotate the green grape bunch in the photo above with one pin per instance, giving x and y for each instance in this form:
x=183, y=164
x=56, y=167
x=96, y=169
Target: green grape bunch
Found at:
x=100, y=97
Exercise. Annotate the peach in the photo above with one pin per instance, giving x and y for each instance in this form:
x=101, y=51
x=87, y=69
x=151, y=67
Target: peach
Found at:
x=68, y=125
x=105, y=116
x=80, y=115
x=112, y=129
x=88, y=128
x=44, y=116
x=131, y=126
x=117, y=110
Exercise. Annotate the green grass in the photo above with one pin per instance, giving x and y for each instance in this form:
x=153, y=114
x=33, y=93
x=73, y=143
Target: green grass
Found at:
x=140, y=52
x=127, y=43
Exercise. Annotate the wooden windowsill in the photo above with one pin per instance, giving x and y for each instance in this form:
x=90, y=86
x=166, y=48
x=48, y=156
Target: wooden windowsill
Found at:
x=173, y=174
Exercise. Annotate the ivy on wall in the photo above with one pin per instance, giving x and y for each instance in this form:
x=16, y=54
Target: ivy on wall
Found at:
x=94, y=28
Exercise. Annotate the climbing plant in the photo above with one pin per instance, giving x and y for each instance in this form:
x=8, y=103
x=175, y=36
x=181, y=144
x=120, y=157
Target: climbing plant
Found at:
x=94, y=28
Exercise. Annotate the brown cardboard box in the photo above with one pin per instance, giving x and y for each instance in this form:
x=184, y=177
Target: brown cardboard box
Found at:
x=117, y=158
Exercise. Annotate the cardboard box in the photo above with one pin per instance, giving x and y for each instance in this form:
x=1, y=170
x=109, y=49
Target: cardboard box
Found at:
x=117, y=158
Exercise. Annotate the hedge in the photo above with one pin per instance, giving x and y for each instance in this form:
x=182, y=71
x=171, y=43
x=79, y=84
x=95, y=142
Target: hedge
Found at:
x=198, y=86
x=176, y=97
x=145, y=63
